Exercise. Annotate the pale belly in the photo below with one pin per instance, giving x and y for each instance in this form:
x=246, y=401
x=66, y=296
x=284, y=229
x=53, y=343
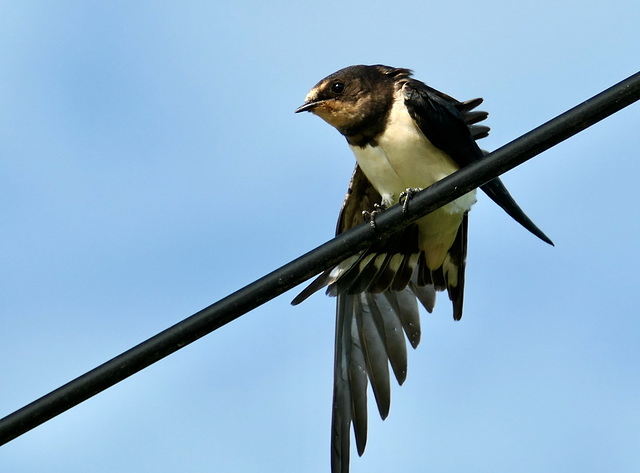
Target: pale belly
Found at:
x=404, y=158
x=393, y=171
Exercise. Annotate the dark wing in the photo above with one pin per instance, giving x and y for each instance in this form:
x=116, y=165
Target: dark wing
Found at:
x=377, y=306
x=444, y=121
x=361, y=196
x=372, y=321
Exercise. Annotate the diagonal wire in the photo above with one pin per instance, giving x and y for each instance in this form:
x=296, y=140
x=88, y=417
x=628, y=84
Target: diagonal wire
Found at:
x=317, y=260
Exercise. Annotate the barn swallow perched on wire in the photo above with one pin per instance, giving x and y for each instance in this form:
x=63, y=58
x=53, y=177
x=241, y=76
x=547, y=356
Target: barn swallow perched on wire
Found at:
x=405, y=136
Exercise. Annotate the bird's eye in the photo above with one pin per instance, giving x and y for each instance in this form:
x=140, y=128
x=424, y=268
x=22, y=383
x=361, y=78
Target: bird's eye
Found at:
x=337, y=88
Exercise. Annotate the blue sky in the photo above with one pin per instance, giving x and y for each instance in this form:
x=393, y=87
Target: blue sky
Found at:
x=151, y=163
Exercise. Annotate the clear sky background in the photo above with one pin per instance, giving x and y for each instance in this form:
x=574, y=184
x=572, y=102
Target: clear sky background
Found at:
x=151, y=163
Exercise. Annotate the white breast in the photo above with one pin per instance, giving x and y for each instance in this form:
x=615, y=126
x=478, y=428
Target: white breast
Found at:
x=403, y=157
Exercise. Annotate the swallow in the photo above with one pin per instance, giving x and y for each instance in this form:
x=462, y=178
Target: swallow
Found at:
x=405, y=136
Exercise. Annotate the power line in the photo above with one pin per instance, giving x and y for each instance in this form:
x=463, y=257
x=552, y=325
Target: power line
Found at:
x=315, y=261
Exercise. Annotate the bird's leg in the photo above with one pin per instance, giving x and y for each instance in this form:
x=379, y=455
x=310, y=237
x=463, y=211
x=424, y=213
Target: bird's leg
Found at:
x=371, y=216
x=406, y=196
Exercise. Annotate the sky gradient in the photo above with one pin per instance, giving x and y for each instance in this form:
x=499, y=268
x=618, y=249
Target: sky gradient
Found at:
x=151, y=163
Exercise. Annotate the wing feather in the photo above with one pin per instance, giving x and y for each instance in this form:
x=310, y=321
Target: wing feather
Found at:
x=445, y=122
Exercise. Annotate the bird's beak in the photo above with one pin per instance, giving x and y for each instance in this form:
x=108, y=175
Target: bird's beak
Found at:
x=308, y=106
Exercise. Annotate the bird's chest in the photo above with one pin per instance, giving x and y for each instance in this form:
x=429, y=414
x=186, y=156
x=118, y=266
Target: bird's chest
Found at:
x=402, y=157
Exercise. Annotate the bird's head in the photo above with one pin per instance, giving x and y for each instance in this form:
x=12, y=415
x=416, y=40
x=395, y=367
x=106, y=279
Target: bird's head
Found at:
x=351, y=98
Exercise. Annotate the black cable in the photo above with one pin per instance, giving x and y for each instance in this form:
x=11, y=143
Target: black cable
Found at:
x=328, y=254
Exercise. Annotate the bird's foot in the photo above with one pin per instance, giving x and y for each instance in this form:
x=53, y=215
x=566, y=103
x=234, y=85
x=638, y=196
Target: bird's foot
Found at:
x=406, y=196
x=371, y=216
